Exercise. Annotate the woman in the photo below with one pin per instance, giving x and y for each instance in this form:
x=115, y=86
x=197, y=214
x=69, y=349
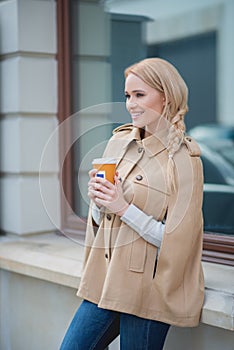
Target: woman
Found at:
x=142, y=270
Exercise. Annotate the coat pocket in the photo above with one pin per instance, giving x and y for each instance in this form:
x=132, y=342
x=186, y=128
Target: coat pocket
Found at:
x=137, y=256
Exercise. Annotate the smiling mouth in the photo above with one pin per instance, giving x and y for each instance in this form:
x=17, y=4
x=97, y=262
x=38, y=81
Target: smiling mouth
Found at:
x=136, y=114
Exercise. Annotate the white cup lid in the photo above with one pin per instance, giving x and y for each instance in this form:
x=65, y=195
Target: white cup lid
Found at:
x=104, y=161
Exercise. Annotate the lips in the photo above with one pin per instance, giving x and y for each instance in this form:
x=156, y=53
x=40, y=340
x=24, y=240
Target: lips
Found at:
x=135, y=115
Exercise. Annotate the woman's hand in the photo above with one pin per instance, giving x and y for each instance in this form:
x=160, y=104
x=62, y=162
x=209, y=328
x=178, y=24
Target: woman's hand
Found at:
x=104, y=193
x=91, y=186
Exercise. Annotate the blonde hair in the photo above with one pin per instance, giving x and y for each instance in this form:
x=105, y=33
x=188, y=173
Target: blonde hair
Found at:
x=164, y=77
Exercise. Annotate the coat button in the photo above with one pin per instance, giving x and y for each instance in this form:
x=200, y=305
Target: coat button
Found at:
x=140, y=149
x=108, y=216
x=106, y=256
x=139, y=177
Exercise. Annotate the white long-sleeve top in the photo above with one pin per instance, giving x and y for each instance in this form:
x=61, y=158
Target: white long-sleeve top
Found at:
x=146, y=226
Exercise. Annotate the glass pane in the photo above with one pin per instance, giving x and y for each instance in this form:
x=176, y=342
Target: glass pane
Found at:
x=217, y=146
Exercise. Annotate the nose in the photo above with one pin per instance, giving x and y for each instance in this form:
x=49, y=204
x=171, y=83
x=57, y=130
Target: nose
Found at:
x=131, y=104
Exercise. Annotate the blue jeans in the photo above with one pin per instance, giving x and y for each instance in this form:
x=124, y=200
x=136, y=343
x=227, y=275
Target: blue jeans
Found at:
x=93, y=328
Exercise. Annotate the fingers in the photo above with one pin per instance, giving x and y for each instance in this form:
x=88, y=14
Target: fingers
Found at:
x=97, y=182
x=118, y=179
x=107, y=195
x=97, y=190
x=101, y=195
x=92, y=173
x=103, y=192
x=99, y=198
x=100, y=188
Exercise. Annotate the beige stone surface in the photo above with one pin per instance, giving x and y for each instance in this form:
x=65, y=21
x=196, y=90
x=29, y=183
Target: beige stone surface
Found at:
x=50, y=257
x=219, y=297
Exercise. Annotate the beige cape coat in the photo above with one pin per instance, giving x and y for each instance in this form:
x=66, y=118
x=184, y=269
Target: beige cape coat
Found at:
x=121, y=271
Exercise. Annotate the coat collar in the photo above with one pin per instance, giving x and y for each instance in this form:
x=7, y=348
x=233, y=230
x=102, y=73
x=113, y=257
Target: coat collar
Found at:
x=155, y=143
x=152, y=144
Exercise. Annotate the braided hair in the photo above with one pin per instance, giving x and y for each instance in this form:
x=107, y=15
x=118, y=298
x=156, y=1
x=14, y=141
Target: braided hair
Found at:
x=164, y=77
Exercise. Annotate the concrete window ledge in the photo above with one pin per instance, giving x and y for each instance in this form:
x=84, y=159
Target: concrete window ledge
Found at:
x=218, y=309
x=57, y=259
x=50, y=257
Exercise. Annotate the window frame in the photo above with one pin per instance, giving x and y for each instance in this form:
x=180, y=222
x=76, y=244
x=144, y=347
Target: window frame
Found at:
x=216, y=248
x=70, y=223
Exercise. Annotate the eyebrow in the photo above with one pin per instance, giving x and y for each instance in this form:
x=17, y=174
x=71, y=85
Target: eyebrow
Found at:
x=135, y=91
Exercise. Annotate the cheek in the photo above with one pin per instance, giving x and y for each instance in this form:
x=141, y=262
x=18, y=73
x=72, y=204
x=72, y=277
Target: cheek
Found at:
x=153, y=114
x=157, y=105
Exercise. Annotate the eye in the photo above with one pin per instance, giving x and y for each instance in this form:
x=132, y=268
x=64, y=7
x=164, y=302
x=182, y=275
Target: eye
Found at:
x=127, y=96
x=139, y=94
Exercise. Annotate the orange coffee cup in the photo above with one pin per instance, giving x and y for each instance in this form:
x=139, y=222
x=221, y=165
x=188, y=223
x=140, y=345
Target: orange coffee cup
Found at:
x=106, y=168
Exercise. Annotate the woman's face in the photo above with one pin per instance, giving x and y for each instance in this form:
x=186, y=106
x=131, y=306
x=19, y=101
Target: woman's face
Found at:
x=144, y=103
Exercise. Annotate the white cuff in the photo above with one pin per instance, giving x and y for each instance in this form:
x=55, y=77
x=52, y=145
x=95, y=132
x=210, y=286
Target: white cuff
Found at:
x=97, y=214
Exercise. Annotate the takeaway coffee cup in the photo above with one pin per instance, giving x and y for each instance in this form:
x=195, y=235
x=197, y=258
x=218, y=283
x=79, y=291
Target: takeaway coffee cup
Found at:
x=106, y=168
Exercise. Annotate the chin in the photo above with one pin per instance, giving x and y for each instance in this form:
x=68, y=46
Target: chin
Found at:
x=137, y=124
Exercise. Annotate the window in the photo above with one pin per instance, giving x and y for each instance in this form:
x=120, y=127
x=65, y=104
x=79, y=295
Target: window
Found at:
x=216, y=142
x=81, y=58
x=217, y=147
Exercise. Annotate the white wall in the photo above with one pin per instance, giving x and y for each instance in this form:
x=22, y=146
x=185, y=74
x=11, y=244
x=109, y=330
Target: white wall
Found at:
x=175, y=19
x=28, y=107
x=27, y=324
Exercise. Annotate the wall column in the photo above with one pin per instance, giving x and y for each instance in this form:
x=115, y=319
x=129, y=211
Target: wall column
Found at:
x=28, y=95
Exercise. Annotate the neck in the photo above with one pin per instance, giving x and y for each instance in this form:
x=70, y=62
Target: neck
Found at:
x=161, y=124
